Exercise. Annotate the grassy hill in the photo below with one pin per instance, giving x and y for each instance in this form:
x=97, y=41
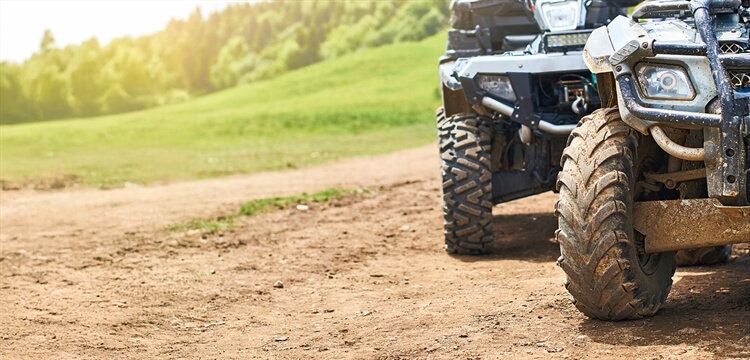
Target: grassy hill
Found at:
x=365, y=103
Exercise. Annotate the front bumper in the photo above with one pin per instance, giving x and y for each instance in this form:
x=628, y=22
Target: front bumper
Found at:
x=519, y=68
x=673, y=43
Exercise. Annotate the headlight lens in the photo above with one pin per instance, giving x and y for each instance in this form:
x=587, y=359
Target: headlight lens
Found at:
x=558, y=15
x=668, y=82
x=497, y=85
x=566, y=40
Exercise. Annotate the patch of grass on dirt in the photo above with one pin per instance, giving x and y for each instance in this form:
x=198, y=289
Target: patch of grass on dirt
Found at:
x=370, y=102
x=260, y=206
x=265, y=205
x=205, y=226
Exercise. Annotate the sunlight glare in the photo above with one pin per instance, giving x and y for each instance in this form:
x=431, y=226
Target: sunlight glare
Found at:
x=22, y=22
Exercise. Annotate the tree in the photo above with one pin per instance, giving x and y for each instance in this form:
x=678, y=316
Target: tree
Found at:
x=242, y=43
x=14, y=105
x=226, y=71
x=47, y=86
x=86, y=85
x=48, y=41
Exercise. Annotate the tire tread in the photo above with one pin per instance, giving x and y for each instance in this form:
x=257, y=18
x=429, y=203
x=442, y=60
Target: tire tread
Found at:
x=464, y=142
x=598, y=251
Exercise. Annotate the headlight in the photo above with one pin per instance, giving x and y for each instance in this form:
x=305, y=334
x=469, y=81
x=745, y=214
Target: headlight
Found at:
x=497, y=85
x=574, y=39
x=555, y=15
x=668, y=82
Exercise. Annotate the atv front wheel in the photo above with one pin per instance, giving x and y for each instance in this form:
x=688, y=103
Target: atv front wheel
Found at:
x=609, y=274
x=464, y=141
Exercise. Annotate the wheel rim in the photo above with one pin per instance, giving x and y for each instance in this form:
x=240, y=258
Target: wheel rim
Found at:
x=649, y=262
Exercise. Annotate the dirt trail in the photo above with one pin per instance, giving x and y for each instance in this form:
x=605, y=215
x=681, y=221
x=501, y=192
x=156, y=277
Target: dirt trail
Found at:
x=33, y=214
x=92, y=274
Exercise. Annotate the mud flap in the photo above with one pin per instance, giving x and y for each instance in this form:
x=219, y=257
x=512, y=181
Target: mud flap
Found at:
x=671, y=225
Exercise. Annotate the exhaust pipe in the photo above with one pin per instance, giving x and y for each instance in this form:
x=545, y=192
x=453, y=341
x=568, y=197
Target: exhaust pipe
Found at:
x=544, y=126
x=497, y=106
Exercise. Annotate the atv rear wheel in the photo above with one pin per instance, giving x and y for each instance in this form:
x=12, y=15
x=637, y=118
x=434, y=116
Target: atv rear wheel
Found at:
x=464, y=141
x=609, y=274
x=704, y=256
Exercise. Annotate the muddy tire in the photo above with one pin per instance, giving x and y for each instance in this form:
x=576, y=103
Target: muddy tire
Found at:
x=464, y=141
x=608, y=274
x=704, y=256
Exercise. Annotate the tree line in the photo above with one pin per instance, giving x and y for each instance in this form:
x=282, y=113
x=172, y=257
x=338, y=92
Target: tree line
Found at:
x=240, y=44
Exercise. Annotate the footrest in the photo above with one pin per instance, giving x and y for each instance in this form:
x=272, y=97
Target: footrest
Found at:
x=671, y=225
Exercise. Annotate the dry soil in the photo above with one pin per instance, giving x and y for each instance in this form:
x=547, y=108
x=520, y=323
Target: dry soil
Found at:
x=93, y=274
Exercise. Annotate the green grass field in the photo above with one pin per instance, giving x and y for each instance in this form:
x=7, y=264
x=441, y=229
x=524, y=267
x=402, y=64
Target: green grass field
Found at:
x=369, y=102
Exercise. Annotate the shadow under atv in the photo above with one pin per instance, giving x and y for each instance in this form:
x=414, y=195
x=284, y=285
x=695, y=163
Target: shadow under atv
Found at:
x=526, y=237
x=708, y=308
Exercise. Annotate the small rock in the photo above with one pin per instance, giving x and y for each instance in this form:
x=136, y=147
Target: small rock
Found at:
x=278, y=285
x=280, y=339
x=302, y=207
x=463, y=336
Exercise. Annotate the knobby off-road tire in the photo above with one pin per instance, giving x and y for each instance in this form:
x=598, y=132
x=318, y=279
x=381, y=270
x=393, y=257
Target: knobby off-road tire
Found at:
x=704, y=256
x=608, y=274
x=464, y=141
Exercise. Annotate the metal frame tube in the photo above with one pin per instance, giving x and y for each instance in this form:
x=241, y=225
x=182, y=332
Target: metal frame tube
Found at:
x=667, y=48
x=728, y=180
x=556, y=129
x=735, y=61
x=544, y=126
x=525, y=134
x=675, y=149
x=705, y=28
x=497, y=106
x=660, y=9
x=637, y=108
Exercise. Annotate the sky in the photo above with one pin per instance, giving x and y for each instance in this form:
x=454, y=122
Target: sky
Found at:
x=22, y=22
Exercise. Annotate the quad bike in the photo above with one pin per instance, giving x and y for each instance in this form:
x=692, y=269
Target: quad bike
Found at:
x=663, y=166
x=514, y=85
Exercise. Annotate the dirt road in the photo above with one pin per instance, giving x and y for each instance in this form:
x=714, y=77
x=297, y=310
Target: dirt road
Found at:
x=93, y=274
